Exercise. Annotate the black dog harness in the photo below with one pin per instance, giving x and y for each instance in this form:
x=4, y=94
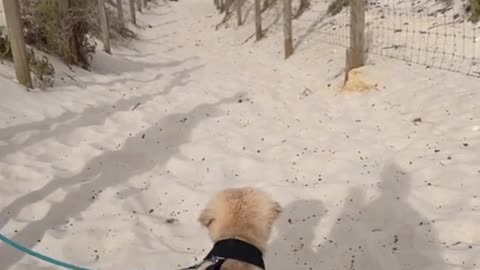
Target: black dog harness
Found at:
x=230, y=249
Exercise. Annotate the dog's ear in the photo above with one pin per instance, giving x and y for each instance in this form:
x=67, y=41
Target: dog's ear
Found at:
x=206, y=217
x=277, y=210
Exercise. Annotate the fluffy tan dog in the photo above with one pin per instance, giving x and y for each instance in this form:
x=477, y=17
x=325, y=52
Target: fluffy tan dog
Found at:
x=246, y=214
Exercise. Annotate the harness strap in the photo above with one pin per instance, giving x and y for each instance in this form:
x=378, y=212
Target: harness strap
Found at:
x=237, y=250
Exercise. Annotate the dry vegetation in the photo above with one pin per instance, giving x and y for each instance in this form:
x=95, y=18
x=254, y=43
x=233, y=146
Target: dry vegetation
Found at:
x=5, y=52
x=336, y=6
x=474, y=9
x=62, y=28
x=65, y=28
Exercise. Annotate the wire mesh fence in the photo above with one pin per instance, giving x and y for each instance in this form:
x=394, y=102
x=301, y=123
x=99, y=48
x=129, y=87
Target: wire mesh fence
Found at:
x=428, y=33
x=436, y=34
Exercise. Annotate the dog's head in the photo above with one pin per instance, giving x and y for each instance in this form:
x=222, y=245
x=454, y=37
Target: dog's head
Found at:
x=245, y=213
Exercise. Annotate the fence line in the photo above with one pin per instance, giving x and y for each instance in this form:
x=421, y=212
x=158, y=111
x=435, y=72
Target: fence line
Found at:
x=433, y=36
x=434, y=33
x=429, y=33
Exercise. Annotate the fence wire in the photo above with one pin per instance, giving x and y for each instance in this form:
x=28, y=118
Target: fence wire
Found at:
x=436, y=34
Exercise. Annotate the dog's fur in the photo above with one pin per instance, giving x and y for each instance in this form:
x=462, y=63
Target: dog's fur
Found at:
x=246, y=214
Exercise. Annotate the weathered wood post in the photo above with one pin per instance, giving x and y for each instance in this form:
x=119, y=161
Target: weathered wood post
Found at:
x=239, y=11
x=258, y=20
x=120, y=13
x=104, y=26
x=356, y=51
x=222, y=6
x=287, y=28
x=133, y=14
x=17, y=41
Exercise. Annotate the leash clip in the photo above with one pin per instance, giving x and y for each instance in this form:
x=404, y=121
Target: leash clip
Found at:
x=217, y=259
x=206, y=264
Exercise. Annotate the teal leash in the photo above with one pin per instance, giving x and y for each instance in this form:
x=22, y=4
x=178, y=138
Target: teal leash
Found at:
x=37, y=255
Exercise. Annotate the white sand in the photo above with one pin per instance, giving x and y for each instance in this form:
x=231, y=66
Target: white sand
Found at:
x=110, y=170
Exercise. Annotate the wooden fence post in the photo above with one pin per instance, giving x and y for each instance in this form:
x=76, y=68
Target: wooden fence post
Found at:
x=222, y=5
x=120, y=13
x=17, y=41
x=139, y=5
x=266, y=4
x=133, y=15
x=104, y=26
x=356, y=51
x=239, y=11
x=258, y=20
x=287, y=28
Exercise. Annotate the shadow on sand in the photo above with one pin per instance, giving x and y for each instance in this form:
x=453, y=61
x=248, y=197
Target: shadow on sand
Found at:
x=386, y=233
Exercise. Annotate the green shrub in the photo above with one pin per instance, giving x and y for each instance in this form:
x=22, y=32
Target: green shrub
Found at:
x=42, y=70
x=61, y=27
x=475, y=10
x=5, y=52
